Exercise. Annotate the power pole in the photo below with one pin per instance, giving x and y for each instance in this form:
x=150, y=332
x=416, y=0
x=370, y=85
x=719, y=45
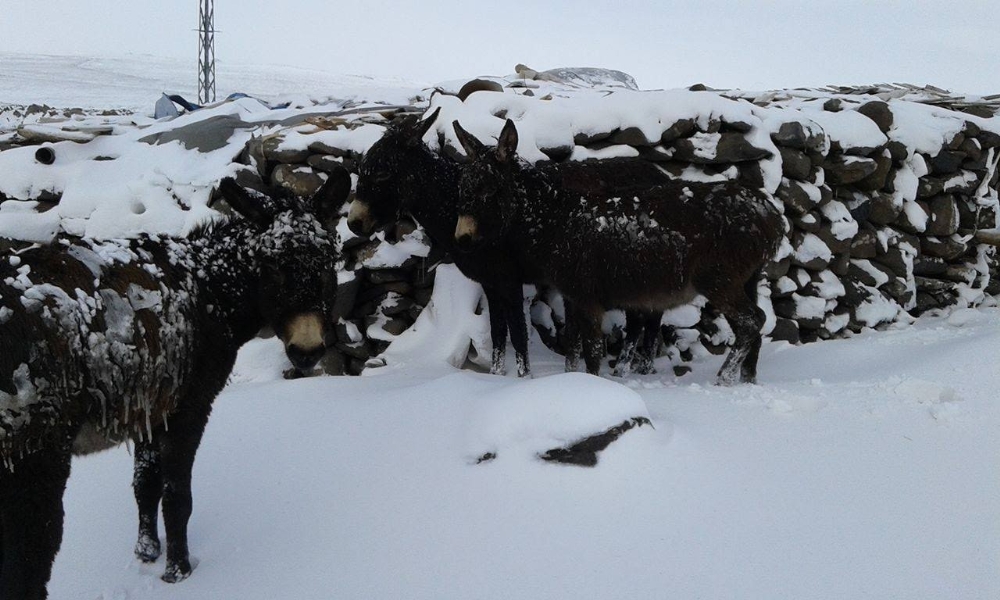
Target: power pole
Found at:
x=206, y=52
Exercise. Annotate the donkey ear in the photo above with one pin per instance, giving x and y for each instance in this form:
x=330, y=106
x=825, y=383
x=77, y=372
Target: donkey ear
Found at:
x=473, y=147
x=326, y=202
x=507, y=142
x=252, y=204
x=423, y=127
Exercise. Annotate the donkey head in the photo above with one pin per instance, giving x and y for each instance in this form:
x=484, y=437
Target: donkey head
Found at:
x=382, y=175
x=486, y=188
x=295, y=254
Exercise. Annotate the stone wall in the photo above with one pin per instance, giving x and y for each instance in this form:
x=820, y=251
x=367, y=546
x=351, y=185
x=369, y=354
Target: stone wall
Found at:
x=878, y=231
x=890, y=195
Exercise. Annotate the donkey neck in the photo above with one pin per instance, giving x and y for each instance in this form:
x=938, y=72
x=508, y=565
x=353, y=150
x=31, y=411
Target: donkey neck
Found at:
x=224, y=264
x=431, y=196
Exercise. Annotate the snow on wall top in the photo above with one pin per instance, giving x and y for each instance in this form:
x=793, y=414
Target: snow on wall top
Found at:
x=142, y=176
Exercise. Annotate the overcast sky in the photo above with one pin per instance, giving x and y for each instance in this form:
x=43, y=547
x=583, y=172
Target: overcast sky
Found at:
x=723, y=43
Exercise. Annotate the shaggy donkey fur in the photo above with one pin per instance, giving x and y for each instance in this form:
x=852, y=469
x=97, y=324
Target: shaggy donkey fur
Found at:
x=401, y=175
x=101, y=341
x=650, y=250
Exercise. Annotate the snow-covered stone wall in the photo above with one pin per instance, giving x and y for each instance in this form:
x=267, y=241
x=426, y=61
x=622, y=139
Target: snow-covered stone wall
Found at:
x=890, y=195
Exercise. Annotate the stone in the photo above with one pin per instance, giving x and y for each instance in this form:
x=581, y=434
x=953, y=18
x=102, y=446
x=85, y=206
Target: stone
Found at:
x=557, y=153
x=844, y=170
x=946, y=162
x=810, y=222
x=972, y=150
x=270, y=146
x=911, y=220
x=320, y=147
x=380, y=276
x=928, y=266
x=794, y=163
x=944, y=218
x=729, y=148
x=300, y=181
x=883, y=209
x=878, y=178
x=478, y=85
x=897, y=151
x=775, y=270
x=631, y=136
x=865, y=244
x=679, y=129
x=895, y=259
x=988, y=139
x=929, y=186
x=878, y=112
x=751, y=175
x=586, y=139
x=948, y=248
x=792, y=135
x=898, y=290
x=786, y=330
x=327, y=163
x=796, y=199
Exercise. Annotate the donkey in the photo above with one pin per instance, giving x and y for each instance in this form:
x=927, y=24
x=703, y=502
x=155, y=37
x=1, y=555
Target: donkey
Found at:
x=103, y=341
x=651, y=250
x=401, y=175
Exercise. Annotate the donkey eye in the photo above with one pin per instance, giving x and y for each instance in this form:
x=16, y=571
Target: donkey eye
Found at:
x=383, y=177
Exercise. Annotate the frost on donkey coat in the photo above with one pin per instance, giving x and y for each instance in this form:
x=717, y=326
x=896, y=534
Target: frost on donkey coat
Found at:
x=102, y=341
x=649, y=250
x=400, y=175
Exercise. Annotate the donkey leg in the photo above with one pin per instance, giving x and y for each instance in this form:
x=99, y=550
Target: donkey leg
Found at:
x=634, y=321
x=572, y=341
x=498, y=329
x=590, y=317
x=31, y=519
x=147, y=484
x=643, y=361
x=178, y=446
x=746, y=319
x=518, y=325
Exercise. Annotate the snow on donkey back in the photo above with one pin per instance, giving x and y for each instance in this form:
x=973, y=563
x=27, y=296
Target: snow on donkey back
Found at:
x=649, y=250
x=103, y=341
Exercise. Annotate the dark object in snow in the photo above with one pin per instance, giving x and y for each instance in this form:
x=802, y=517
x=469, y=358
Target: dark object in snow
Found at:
x=651, y=250
x=45, y=155
x=102, y=341
x=584, y=452
x=401, y=175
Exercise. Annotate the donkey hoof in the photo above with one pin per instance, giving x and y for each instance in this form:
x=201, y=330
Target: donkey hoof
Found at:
x=147, y=549
x=177, y=572
x=495, y=370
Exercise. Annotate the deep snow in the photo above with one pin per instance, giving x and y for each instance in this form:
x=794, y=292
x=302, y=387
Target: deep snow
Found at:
x=858, y=468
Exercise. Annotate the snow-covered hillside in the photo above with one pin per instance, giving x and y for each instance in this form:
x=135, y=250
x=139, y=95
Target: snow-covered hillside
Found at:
x=857, y=468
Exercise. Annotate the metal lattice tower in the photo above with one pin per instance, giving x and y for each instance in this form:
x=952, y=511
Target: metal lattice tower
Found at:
x=206, y=52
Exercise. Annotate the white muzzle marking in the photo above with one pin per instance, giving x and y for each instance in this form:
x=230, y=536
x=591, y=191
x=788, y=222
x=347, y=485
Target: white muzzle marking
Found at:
x=466, y=226
x=360, y=214
x=305, y=332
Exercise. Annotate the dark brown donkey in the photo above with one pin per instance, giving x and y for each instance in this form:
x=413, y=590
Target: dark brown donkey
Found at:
x=649, y=250
x=103, y=341
x=402, y=175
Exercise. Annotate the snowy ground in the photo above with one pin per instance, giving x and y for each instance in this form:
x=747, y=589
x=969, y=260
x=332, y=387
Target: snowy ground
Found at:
x=136, y=82
x=860, y=468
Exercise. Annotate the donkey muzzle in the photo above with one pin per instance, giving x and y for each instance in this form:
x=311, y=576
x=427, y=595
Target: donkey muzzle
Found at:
x=304, y=340
x=466, y=233
x=359, y=219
